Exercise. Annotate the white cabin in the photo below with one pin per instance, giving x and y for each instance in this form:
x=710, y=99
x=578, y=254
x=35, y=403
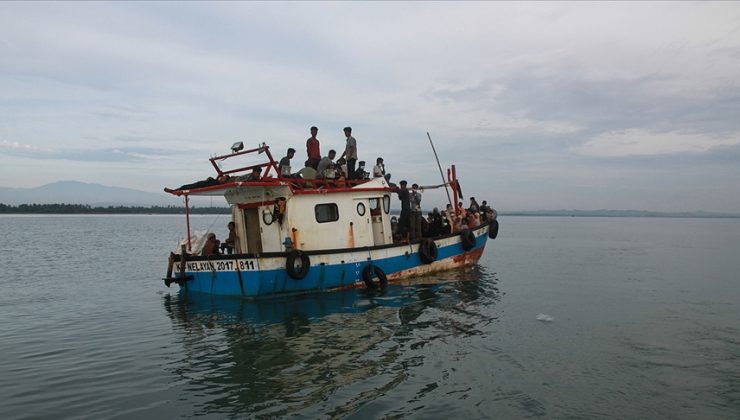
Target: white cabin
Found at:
x=312, y=219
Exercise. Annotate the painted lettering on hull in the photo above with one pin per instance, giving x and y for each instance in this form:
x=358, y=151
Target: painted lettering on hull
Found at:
x=228, y=265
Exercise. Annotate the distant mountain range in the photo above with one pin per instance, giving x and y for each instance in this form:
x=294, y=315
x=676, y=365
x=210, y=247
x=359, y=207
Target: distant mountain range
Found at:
x=75, y=192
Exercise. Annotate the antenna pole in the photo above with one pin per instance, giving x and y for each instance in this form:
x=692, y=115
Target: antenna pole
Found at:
x=441, y=174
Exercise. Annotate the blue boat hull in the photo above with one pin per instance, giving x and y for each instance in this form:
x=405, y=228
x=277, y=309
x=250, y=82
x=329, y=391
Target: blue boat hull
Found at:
x=257, y=276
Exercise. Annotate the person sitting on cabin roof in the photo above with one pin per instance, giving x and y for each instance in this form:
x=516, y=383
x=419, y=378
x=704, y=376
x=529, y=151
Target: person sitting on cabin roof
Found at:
x=211, y=246
x=360, y=172
x=230, y=242
x=326, y=166
x=340, y=168
x=312, y=148
x=308, y=172
x=285, y=162
x=379, y=168
x=254, y=176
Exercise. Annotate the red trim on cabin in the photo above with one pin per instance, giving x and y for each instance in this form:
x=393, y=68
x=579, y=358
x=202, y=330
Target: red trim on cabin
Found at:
x=341, y=190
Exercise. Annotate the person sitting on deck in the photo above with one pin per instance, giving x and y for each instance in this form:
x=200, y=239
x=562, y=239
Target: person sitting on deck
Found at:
x=230, y=242
x=308, y=172
x=326, y=166
x=285, y=162
x=473, y=220
x=211, y=246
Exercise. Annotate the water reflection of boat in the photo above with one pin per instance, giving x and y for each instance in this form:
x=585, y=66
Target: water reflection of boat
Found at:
x=293, y=354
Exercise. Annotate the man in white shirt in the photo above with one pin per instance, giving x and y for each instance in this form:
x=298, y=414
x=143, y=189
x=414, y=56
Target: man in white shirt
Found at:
x=379, y=168
x=326, y=165
x=350, y=152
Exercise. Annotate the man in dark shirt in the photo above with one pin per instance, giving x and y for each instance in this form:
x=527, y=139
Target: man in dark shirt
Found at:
x=285, y=162
x=404, y=222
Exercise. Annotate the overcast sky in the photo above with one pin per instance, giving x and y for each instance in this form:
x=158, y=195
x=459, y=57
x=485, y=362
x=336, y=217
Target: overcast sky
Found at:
x=540, y=105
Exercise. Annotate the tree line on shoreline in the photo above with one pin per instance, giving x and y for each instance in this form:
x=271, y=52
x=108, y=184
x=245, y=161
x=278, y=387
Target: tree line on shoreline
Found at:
x=62, y=208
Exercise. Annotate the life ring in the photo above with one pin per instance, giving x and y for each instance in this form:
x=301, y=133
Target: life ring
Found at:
x=428, y=251
x=493, y=229
x=467, y=238
x=369, y=272
x=297, y=271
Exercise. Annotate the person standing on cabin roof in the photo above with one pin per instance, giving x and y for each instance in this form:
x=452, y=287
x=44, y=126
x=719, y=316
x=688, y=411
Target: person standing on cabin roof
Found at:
x=415, y=212
x=312, y=148
x=379, y=168
x=326, y=166
x=285, y=162
x=350, y=152
x=403, y=221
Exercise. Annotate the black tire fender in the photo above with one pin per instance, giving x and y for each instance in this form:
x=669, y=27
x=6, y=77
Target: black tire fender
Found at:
x=297, y=272
x=493, y=229
x=428, y=251
x=371, y=271
x=467, y=238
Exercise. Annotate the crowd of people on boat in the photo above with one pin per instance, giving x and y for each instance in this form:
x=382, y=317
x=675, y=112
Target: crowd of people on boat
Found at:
x=411, y=225
x=345, y=167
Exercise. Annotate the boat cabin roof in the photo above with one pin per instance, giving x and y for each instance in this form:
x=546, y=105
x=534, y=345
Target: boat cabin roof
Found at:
x=229, y=179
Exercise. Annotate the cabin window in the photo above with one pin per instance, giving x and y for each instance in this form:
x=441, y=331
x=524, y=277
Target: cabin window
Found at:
x=326, y=213
x=375, y=207
x=387, y=204
x=361, y=209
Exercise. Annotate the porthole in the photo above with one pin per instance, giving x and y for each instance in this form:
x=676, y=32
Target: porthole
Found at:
x=387, y=204
x=361, y=209
x=267, y=217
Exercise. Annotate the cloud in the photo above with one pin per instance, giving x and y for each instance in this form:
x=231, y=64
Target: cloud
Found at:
x=634, y=141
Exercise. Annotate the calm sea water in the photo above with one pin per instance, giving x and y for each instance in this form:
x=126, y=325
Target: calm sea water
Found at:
x=562, y=318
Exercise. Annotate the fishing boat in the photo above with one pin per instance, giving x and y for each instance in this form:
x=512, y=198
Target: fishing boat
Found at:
x=296, y=235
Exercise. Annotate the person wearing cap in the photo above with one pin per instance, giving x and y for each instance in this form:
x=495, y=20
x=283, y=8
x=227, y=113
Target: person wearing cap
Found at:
x=313, y=148
x=350, y=152
x=404, y=220
x=211, y=245
x=360, y=172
